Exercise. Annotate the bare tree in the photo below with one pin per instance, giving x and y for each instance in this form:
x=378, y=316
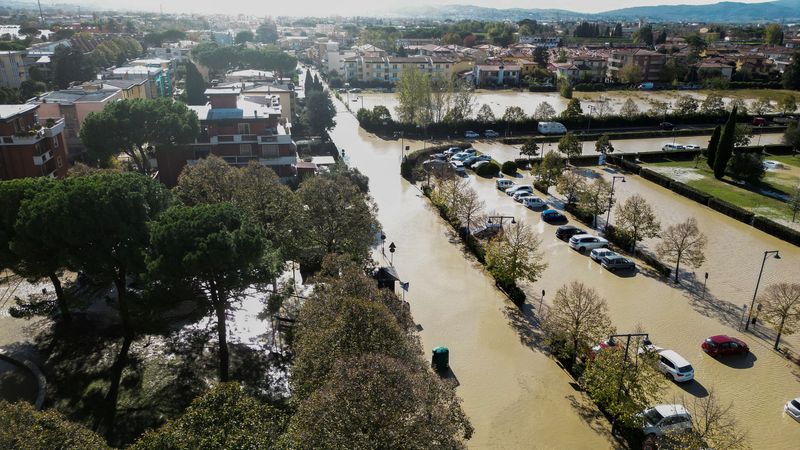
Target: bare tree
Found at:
x=578, y=318
x=469, y=208
x=781, y=303
x=544, y=111
x=595, y=198
x=570, y=184
x=713, y=426
x=683, y=242
x=515, y=255
x=485, y=114
x=637, y=220
x=439, y=99
x=629, y=109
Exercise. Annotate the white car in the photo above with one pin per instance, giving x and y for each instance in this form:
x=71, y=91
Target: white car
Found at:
x=471, y=135
x=771, y=165
x=491, y=134
x=457, y=166
x=584, y=242
x=460, y=156
x=662, y=419
x=668, y=147
x=452, y=151
x=792, y=408
x=503, y=183
x=599, y=253
x=675, y=366
x=691, y=147
x=521, y=196
x=471, y=151
x=522, y=187
x=534, y=202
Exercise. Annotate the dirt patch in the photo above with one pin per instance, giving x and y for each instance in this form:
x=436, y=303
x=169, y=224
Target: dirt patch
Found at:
x=682, y=174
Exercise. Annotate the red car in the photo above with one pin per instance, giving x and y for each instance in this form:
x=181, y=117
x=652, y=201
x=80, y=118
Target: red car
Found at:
x=724, y=345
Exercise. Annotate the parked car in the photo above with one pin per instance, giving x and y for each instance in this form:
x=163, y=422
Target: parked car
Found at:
x=724, y=345
x=667, y=125
x=785, y=119
x=691, y=147
x=553, y=216
x=452, y=151
x=759, y=121
x=792, y=408
x=617, y=262
x=468, y=161
x=551, y=128
x=662, y=419
x=470, y=151
x=476, y=159
x=772, y=165
x=608, y=343
x=565, y=232
x=457, y=166
x=668, y=147
x=584, y=242
x=519, y=188
x=439, y=156
x=471, y=135
x=519, y=196
x=534, y=202
x=435, y=165
x=503, y=183
x=675, y=366
x=646, y=86
x=491, y=134
x=460, y=156
x=600, y=253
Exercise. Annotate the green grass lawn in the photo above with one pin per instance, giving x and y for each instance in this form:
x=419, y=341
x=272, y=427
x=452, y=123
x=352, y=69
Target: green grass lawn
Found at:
x=785, y=159
x=751, y=200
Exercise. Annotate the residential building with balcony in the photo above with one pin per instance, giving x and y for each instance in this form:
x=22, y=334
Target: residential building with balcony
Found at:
x=12, y=69
x=238, y=130
x=30, y=147
x=582, y=69
x=387, y=69
x=496, y=75
x=649, y=63
x=159, y=78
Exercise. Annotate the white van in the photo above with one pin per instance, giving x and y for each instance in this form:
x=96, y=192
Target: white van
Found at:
x=551, y=128
x=503, y=183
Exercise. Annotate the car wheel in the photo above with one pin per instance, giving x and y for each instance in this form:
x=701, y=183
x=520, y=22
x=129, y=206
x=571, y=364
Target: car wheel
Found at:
x=582, y=250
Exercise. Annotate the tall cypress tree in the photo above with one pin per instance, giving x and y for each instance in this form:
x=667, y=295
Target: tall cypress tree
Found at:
x=195, y=85
x=711, y=151
x=308, y=83
x=725, y=147
x=317, y=83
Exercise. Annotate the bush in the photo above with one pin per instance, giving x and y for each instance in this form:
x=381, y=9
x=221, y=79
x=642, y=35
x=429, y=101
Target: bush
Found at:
x=512, y=291
x=488, y=170
x=539, y=186
x=778, y=230
x=689, y=192
x=746, y=166
x=571, y=208
x=655, y=177
x=509, y=168
x=653, y=262
x=730, y=210
x=590, y=87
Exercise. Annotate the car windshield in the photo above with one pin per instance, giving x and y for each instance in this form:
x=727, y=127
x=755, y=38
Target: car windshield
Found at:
x=653, y=416
x=685, y=369
x=796, y=404
x=710, y=343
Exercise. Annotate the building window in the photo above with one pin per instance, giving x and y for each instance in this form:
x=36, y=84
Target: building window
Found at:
x=55, y=142
x=245, y=150
x=269, y=151
x=58, y=162
x=244, y=128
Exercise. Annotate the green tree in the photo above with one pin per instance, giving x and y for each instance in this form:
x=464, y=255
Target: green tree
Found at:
x=267, y=32
x=746, y=166
x=23, y=427
x=761, y=106
x=571, y=184
x=570, y=145
x=792, y=135
x=515, y=255
x=573, y=110
x=514, y=114
x=791, y=74
x=549, y=169
x=781, y=303
x=713, y=143
x=244, y=36
x=725, y=146
x=686, y=105
x=224, y=417
x=794, y=201
x=630, y=74
x=195, y=85
x=389, y=405
x=413, y=94
x=565, y=88
x=713, y=104
x=644, y=35
x=742, y=135
x=485, y=114
x=135, y=126
x=682, y=242
x=577, y=320
x=318, y=113
x=530, y=148
x=603, y=145
x=773, y=34
x=787, y=104
x=637, y=220
x=595, y=199
x=69, y=65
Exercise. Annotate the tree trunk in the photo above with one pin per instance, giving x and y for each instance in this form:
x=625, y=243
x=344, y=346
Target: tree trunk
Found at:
x=110, y=415
x=120, y=283
x=677, y=268
x=780, y=331
x=222, y=334
x=60, y=299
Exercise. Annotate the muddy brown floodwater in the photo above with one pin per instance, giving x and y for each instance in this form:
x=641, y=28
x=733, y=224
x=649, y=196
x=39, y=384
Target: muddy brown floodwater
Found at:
x=515, y=396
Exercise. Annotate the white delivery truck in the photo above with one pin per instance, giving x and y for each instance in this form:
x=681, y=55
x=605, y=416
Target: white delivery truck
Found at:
x=551, y=128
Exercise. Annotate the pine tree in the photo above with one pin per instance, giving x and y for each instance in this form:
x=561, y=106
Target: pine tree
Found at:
x=195, y=86
x=711, y=151
x=308, y=83
x=725, y=147
x=317, y=83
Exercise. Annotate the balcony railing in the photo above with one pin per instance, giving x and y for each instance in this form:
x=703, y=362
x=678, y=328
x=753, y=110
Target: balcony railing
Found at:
x=34, y=135
x=43, y=158
x=233, y=138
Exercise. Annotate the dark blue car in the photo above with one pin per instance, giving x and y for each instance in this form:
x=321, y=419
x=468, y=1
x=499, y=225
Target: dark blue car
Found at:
x=553, y=216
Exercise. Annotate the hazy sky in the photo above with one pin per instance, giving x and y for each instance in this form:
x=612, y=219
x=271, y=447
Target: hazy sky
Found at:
x=362, y=7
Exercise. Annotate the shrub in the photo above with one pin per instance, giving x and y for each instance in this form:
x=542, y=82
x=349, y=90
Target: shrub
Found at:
x=776, y=229
x=655, y=177
x=689, y=192
x=509, y=168
x=488, y=170
x=746, y=166
x=653, y=262
x=541, y=187
x=730, y=210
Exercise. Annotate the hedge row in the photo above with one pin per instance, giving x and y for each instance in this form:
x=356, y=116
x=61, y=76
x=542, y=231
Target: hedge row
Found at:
x=690, y=192
x=623, y=241
x=655, y=177
x=628, y=165
x=731, y=210
x=777, y=230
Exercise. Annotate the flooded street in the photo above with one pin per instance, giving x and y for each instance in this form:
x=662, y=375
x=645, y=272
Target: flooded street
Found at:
x=515, y=396
x=528, y=101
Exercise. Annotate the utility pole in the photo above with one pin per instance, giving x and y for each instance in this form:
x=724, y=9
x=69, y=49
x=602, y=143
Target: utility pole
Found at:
x=41, y=14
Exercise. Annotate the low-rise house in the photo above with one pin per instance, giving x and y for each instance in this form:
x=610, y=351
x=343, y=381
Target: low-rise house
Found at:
x=30, y=145
x=239, y=131
x=712, y=69
x=649, y=62
x=160, y=79
x=496, y=75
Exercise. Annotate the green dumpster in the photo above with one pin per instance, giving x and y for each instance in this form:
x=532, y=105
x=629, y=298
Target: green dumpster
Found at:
x=441, y=359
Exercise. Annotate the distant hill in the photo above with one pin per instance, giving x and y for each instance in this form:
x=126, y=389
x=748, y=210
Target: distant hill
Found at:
x=774, y=11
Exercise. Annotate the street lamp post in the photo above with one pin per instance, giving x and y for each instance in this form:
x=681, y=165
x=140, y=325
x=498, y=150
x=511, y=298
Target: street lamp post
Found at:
x=760, y=130
x=392, y=249
x=541, y=303
x=489, y=219
x=611, y=197
x=776, y=255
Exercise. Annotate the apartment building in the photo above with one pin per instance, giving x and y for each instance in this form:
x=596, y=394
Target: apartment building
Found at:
x=488, y=75
x=239, y=131
x=387, y=69
x=12, y=69
x=649, y=62
x=30, y=147
x=582, y=69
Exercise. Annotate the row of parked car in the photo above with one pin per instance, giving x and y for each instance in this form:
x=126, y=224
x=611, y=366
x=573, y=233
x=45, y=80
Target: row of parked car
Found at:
x=457, y=159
